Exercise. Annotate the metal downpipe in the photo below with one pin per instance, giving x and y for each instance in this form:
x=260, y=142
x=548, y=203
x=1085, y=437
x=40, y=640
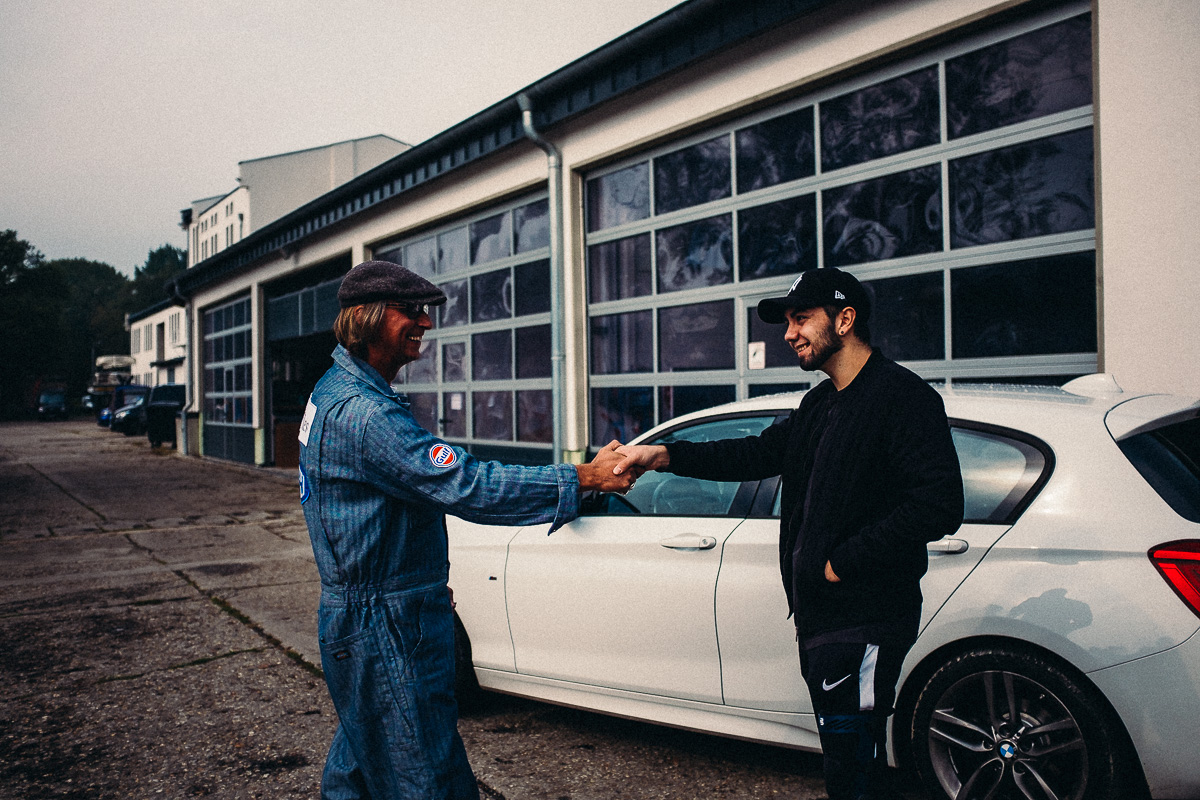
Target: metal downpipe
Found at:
x=557, y=265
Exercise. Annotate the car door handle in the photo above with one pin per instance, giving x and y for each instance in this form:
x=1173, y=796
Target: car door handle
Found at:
x=948, y=546
x=688, y=541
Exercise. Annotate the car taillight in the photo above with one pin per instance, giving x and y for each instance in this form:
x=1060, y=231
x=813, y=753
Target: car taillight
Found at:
x=1179, y=563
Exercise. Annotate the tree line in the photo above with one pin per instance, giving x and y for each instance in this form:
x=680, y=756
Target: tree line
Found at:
x=58, y=315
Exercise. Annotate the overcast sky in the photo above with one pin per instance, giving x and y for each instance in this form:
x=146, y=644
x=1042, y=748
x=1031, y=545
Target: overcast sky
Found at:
x=116, y=115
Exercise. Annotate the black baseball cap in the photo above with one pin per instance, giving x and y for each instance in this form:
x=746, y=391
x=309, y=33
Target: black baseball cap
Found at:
x=818, y=287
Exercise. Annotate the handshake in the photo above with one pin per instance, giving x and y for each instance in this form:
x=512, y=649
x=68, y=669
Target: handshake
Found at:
x=617, y=467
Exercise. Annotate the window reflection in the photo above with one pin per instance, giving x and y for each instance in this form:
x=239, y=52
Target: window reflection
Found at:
x=907, y=316
x=778, y=353
x=454, y=414
x=619, y=197
x=1032, y=75
x=1030, y=189
x=695, y=254
x=778, y=238
x=621, y=413
x=675, y=401
x=889, y=217
x=994, y=313
x=775, y=151
x=691, y=176
x=535, y=421
x=491, y=238
x=424, y=369
x=622, y=343
x=531, y=226
x=696, y=337
x=619, y=269
x=421, y=257
x=533, y=287
x=492, y=414
x=491, y=356
x=454, y=311
x=492, y=293
x=533, y=352
x=424, y=410
x=891, y=117
x=453, y=247
x=454, y=358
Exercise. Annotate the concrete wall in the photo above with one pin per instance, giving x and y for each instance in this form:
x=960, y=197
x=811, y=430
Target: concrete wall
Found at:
x=1148, y=183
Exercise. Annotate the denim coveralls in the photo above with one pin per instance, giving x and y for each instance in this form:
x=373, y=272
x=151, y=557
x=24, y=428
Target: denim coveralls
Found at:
x=374, y=488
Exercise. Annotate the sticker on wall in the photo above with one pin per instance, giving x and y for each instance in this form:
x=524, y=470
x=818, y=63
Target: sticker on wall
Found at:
x=757, y=355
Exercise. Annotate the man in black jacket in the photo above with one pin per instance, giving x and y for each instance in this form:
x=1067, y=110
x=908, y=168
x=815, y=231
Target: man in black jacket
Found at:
x=869, y=477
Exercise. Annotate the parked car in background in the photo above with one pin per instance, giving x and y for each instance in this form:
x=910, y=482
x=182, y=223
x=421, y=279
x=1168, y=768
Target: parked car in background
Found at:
x=1059, y=653
x=161, y=410
x=130, y=419
x=120, y=397
x=52, y=405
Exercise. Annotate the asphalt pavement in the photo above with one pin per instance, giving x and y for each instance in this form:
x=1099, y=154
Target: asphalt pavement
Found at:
x=158, y=615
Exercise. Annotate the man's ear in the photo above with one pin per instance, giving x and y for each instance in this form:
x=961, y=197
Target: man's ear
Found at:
x=844, y=321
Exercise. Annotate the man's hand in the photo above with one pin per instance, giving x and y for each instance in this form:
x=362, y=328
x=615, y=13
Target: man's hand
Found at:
x=830, y=575
x=642, y=457
x=601, y=474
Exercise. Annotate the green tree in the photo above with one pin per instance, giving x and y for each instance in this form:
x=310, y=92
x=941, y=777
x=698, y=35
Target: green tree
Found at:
x=31, y=327
x=93, y=310
x=162, y=264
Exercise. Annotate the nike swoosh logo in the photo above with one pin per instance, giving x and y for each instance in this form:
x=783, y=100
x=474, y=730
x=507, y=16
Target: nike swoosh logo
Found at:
x=827, y=686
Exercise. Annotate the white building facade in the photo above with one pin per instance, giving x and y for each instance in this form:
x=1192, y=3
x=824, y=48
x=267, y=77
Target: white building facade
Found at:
x=158, y=345
x=984, y=167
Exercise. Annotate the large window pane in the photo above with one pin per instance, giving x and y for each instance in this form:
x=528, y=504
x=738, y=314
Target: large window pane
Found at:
x=1024, y=308
x=889, y=217
x=492, y=413
x=454, y=415
x=491, y=238
x=533, y=288
x=491, y=356
x=622, y=343
x=908, y=316
x=422, y=257
x=619, y=197
x=696, y=337
x=778, y=352
x=621, y=413
x=491, y=295
x=1035, y=74
x=1030, y=189
x=675, y=401
x=619, y=269
x=892, y=117
x=424, y=407
x=778, y=238
x=533, y=352
x=531, y=225
x=535, y=422
x=775, y=151
x=696, y=254
x=454, y=311
x=454, y=358
x=453, y=249
x=691, y=176
x=425, y=368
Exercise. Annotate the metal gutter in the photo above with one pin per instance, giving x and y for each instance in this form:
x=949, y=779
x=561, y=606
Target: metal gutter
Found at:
x=680, y=37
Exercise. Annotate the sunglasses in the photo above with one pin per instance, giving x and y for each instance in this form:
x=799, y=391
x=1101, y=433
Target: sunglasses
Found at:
x=412, y=310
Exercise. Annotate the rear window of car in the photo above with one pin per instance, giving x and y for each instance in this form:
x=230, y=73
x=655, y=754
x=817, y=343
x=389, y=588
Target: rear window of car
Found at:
x=1169, y=459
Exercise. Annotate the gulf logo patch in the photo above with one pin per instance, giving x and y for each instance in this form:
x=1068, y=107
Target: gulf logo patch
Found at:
x=443, y=456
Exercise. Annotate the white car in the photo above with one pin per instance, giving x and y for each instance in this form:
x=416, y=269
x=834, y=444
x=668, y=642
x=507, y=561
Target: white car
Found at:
x=1058, y=655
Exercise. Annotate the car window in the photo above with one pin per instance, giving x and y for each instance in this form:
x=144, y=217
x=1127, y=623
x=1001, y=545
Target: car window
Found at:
x=663, y=494
x=1169, y=459
x=999, y=475
x=998, y=472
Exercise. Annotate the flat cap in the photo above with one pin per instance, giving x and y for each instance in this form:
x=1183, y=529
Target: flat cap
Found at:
x=373, y=281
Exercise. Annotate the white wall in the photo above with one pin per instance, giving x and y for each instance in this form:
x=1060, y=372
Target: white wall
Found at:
x=1148, y=176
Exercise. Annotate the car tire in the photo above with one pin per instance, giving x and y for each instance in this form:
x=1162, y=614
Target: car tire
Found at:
x=466, y=686
x=1066, y=742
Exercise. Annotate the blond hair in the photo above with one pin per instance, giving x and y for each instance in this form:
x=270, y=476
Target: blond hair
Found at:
x=358, y=326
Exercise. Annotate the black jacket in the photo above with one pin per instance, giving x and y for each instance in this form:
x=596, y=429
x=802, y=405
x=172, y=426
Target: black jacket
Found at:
x=869, y=477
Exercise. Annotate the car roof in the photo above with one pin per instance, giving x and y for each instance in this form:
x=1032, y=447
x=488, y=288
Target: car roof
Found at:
x=1023, y=406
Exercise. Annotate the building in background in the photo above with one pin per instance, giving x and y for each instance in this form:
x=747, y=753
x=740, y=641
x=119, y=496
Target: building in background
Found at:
x=1014, y=181
x=158, y=344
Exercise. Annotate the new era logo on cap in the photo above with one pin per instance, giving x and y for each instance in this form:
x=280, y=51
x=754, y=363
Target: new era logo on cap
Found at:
x=838, y=295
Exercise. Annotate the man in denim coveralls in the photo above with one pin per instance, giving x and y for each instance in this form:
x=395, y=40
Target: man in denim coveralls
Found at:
x=375, y=487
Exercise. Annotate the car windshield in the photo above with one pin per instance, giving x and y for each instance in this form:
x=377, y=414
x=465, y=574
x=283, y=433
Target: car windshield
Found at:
x=51, y=397
x=1169, y=459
